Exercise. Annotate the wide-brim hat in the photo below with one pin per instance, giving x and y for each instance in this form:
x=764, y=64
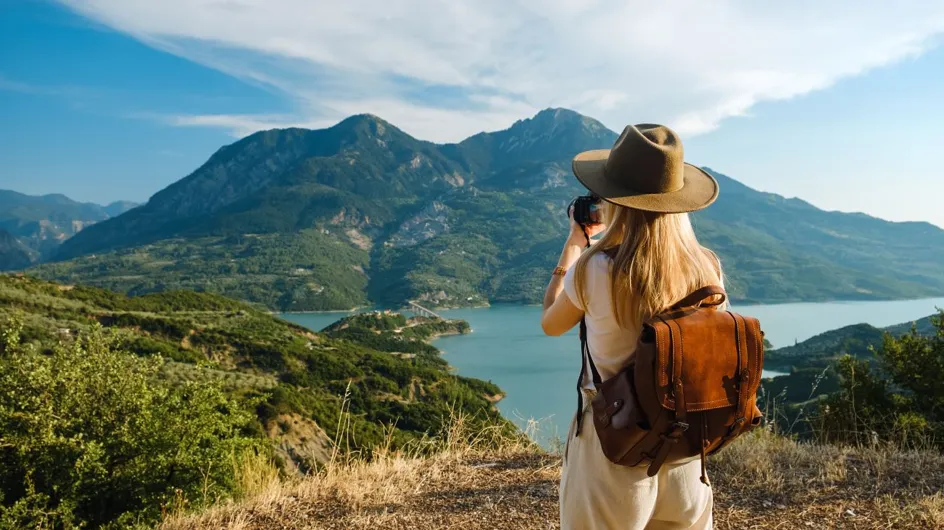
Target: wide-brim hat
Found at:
x=646, y=170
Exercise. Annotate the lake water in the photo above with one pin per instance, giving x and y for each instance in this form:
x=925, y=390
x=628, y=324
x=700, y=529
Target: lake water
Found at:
x=538, y=373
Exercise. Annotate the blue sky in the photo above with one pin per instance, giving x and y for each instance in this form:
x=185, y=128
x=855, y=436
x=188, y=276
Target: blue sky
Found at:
x=115, y=99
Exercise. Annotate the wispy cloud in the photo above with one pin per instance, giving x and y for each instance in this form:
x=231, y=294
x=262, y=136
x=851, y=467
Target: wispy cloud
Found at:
x=444, y=70
x=10, y=85
x=241, y=125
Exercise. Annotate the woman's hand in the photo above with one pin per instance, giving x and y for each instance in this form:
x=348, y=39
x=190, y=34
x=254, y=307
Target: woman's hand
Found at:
x=578, y=236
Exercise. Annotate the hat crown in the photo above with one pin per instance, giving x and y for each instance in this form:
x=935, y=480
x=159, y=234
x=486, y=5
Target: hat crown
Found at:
x=647, y=158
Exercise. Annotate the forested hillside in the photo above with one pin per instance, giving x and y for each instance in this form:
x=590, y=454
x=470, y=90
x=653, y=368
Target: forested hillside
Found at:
x=305, y=374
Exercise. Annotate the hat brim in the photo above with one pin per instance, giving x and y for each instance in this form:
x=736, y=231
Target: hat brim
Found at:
x=699, y=189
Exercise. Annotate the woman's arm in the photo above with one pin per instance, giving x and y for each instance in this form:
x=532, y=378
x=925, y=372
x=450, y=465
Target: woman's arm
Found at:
x=560, y=314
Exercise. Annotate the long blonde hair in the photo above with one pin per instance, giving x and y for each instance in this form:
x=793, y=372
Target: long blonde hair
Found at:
x=658, y=262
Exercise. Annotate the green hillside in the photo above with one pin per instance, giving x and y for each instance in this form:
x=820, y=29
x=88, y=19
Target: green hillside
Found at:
x=376, y=366
x=363, y=213
x=857, y=340
x=306, y=270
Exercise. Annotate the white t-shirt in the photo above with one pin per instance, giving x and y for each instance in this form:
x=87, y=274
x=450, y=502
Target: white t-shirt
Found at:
x=611, y=346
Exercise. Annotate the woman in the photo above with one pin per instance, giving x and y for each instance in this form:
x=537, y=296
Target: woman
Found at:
x=646, y=260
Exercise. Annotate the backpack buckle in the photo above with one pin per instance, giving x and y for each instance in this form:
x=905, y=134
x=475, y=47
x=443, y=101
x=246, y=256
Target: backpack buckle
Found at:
x=682, y=426
x=673, y=436
x=734, y=425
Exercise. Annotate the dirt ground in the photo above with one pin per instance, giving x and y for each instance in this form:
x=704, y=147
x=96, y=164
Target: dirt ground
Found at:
x=763, y=481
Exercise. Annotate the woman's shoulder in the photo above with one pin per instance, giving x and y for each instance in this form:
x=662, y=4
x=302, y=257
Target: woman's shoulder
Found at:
x=601, y=260
x=598, y=267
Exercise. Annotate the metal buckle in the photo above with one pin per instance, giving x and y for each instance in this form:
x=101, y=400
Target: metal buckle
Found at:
x=733, y=427
x=675, y=434
x=681, y=426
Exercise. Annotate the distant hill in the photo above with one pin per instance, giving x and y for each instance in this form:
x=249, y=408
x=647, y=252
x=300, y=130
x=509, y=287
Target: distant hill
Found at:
x=362, y=213
x=114, y=209
x=41, y=223
x=856, y=340
x=787, y=249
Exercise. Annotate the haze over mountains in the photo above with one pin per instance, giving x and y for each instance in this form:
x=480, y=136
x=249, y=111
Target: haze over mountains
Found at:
x=32, y=227
x=362, y=213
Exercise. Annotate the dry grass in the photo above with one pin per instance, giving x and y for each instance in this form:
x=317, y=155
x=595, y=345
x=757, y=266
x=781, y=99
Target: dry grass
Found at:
x=763, y=481
x=768, y=481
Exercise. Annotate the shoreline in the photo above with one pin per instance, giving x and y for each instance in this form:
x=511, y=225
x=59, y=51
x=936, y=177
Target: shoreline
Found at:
x=734, y=302
x=439, y=335
x=494, y=399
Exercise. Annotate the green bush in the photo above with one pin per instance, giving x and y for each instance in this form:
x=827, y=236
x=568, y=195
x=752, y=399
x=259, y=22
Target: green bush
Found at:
x=90, y=436
x=899, y=398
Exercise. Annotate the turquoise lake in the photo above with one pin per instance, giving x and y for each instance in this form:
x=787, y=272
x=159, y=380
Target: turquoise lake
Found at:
x=538, y=373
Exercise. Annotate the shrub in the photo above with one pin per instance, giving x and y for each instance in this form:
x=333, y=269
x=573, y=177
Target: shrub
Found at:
x=900, y=398
x=90, y=436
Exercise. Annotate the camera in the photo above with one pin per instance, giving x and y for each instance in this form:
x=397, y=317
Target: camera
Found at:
x=586, y=210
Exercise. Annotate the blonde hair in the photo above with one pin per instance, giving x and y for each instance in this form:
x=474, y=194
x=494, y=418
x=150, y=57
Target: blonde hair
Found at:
x=657, y=262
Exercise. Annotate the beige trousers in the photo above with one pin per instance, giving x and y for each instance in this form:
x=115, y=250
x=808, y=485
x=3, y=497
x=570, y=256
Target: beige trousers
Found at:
x=596, y=494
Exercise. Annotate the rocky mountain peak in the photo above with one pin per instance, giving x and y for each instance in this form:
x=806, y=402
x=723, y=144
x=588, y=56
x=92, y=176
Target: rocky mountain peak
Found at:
x=553, y=135
x=367, y=124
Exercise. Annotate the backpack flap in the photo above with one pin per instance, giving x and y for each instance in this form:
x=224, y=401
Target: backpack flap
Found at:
x=715, y=350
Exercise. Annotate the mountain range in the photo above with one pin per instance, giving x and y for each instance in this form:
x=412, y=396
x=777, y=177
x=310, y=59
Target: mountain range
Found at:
x=33, y=227
x=362, y=213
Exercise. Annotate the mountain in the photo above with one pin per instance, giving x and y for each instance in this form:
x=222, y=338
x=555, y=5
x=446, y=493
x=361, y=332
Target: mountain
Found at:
x=362, y=213
x=13, y=254
x=41, y=223
x=787, y=249
x=114, y=209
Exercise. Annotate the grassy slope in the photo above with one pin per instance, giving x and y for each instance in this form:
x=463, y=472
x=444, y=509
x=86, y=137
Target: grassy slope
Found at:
x=305, y=378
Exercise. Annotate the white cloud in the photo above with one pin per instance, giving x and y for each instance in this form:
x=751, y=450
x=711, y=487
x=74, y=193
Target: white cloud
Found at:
x=241, y=125
x=445, y=69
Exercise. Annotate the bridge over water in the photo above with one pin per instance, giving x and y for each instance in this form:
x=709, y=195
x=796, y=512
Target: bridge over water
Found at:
x=420, y=310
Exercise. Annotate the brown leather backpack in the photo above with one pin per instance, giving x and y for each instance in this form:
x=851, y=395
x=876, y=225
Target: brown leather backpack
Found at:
x=691, y=389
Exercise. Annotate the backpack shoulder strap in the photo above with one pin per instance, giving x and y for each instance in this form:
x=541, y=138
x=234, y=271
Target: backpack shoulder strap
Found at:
x=585, y=360
x=700, y=296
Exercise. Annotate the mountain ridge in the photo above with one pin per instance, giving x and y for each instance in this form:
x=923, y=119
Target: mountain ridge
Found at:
x=469, y=223
x=41, y=222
